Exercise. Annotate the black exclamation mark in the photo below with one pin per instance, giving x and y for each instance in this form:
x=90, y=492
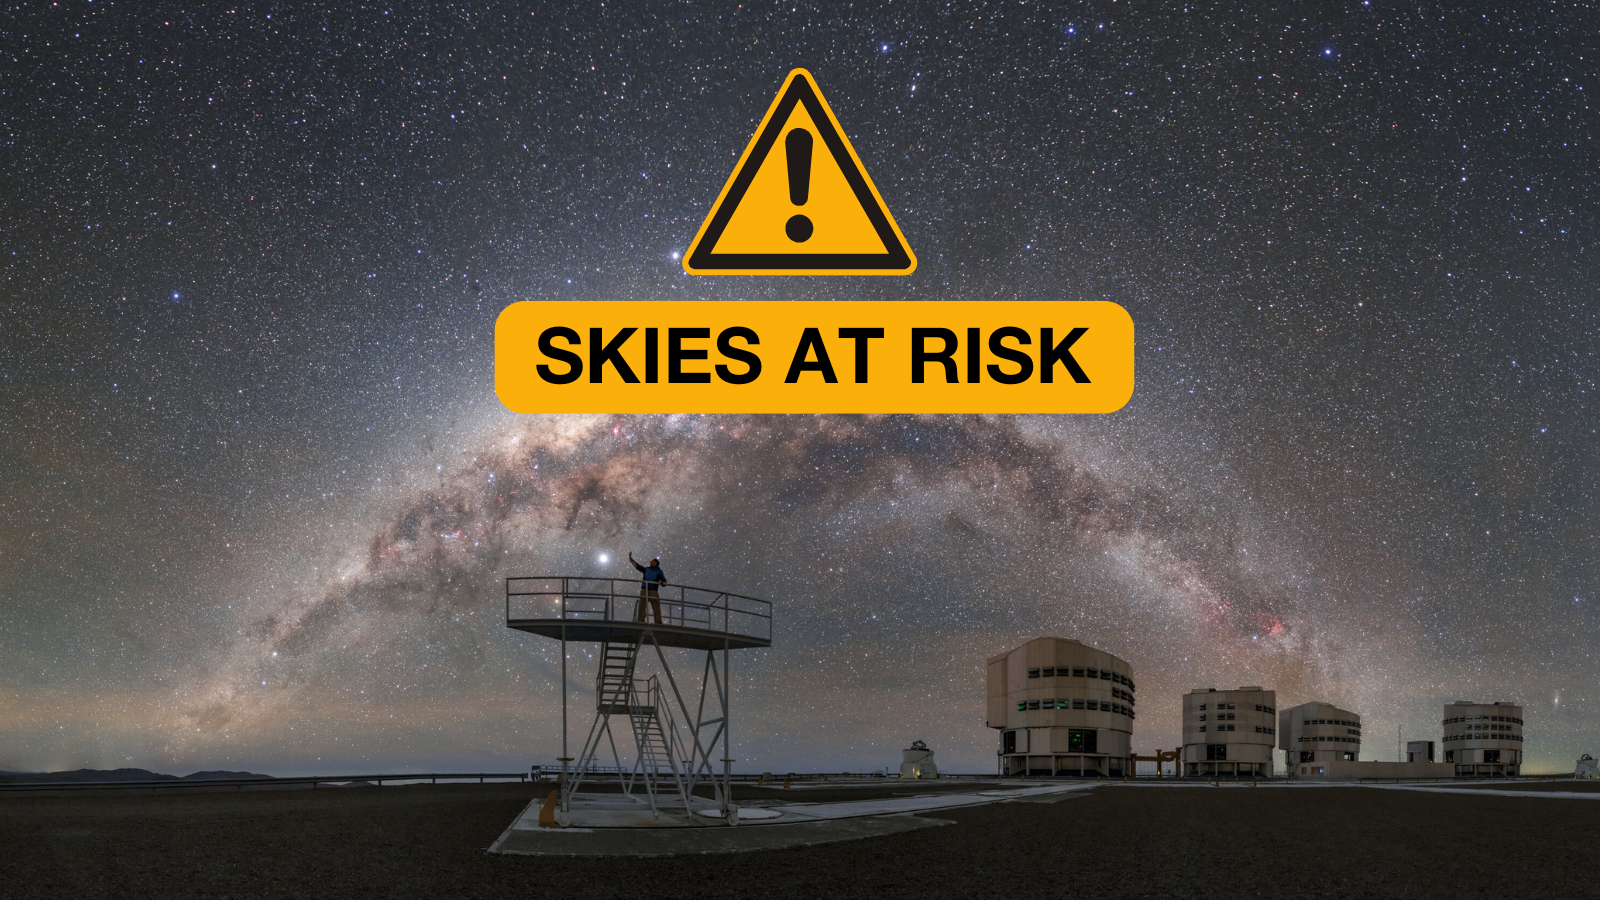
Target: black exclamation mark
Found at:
x=797, y=146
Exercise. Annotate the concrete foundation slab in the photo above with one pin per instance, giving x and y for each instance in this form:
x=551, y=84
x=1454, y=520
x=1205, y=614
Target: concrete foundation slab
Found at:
x=682, y=841
x=613, y=825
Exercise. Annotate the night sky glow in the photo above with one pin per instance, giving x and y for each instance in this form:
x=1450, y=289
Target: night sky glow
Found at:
x=257, y=495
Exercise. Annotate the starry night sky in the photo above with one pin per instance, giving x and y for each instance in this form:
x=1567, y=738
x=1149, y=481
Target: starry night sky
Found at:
x=257, y=495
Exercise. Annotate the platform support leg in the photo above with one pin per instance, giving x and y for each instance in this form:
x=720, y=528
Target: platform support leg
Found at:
x=727, y=761
x=566, y=757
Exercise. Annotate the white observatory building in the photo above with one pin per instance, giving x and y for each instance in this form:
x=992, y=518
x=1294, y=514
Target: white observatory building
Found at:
x=1483, y=738
x=1229, y=732
x=1318, y=733
x=916, y=761
x=1062, y=708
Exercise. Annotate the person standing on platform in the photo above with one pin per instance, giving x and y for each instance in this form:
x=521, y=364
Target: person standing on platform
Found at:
x=649, y=586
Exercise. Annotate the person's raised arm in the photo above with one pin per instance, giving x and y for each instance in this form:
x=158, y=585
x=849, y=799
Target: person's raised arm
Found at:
x=633, y=563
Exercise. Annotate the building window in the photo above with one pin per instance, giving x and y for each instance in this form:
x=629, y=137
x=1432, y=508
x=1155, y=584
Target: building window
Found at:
x=1094, y=673
x=1033, y=704
x=1202, y=708
x=1202, y=728
x=1230, y=727
x=1215, y=752
x=1491, y=756
x=1077, y=704
x=1105, y=674
x=1033, y=673
x=1094, y=704
x=1049, y=672
x=1022, y=705
x=1202, y=715
x=1081, y=740
x=1077, y=671
x=1449, y=756
x=1048, y=704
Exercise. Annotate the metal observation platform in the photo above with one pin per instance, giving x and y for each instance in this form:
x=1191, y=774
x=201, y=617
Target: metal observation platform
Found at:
x=571, y=608
x=672, y=740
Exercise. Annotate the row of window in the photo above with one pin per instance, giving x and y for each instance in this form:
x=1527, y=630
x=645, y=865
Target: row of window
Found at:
x=1259, y=729
x=1481, y=736
x=1219, y=717
x=1311, y=756
x=1483, y=719
x=1064, y=703
x=1081, y=672
x=1489, y=756
x=1221, y=705
x=1355, y=724
x=1330, y=740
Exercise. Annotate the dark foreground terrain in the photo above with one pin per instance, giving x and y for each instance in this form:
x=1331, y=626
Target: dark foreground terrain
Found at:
x=1116, y=841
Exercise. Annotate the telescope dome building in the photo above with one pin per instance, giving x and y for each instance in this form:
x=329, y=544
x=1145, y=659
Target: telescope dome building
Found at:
x=1483, y=738
x=1229, y=732
x=1318, y=733
x=1062, y=708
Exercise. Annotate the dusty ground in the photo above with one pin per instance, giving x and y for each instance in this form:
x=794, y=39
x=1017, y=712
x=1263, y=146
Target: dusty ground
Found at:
x=1113, y=842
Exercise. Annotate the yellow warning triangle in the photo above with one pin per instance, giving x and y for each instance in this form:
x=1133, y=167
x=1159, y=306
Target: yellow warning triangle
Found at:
x=799, y=202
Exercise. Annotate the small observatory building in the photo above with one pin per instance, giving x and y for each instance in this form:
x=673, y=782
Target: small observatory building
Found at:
x=917, y=762
x=1062, y=708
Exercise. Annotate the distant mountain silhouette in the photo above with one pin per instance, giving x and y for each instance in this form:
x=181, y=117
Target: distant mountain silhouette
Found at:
x=113, y=775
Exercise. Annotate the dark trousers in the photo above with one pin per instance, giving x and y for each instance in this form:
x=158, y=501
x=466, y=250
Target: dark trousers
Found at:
x=652, y=594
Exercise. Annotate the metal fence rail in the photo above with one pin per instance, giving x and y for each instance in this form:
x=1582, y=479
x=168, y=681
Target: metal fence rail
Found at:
x=239, y=783
x=573, y=599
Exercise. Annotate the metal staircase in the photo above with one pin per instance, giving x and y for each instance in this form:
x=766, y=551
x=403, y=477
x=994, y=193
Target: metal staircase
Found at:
x=662, y=760
x=614, y=684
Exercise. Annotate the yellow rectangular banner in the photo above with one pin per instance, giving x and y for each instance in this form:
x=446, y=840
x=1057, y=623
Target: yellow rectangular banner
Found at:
x=701, y=356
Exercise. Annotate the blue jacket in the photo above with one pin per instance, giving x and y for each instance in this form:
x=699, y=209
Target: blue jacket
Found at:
x=652, y=574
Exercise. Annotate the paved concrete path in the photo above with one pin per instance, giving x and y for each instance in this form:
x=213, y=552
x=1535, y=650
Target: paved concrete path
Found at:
x=1485, y=791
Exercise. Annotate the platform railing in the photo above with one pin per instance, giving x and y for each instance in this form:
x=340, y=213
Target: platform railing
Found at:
x=581, y=600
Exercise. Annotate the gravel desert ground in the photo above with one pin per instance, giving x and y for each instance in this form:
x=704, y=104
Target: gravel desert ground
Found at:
x=1115, y=841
